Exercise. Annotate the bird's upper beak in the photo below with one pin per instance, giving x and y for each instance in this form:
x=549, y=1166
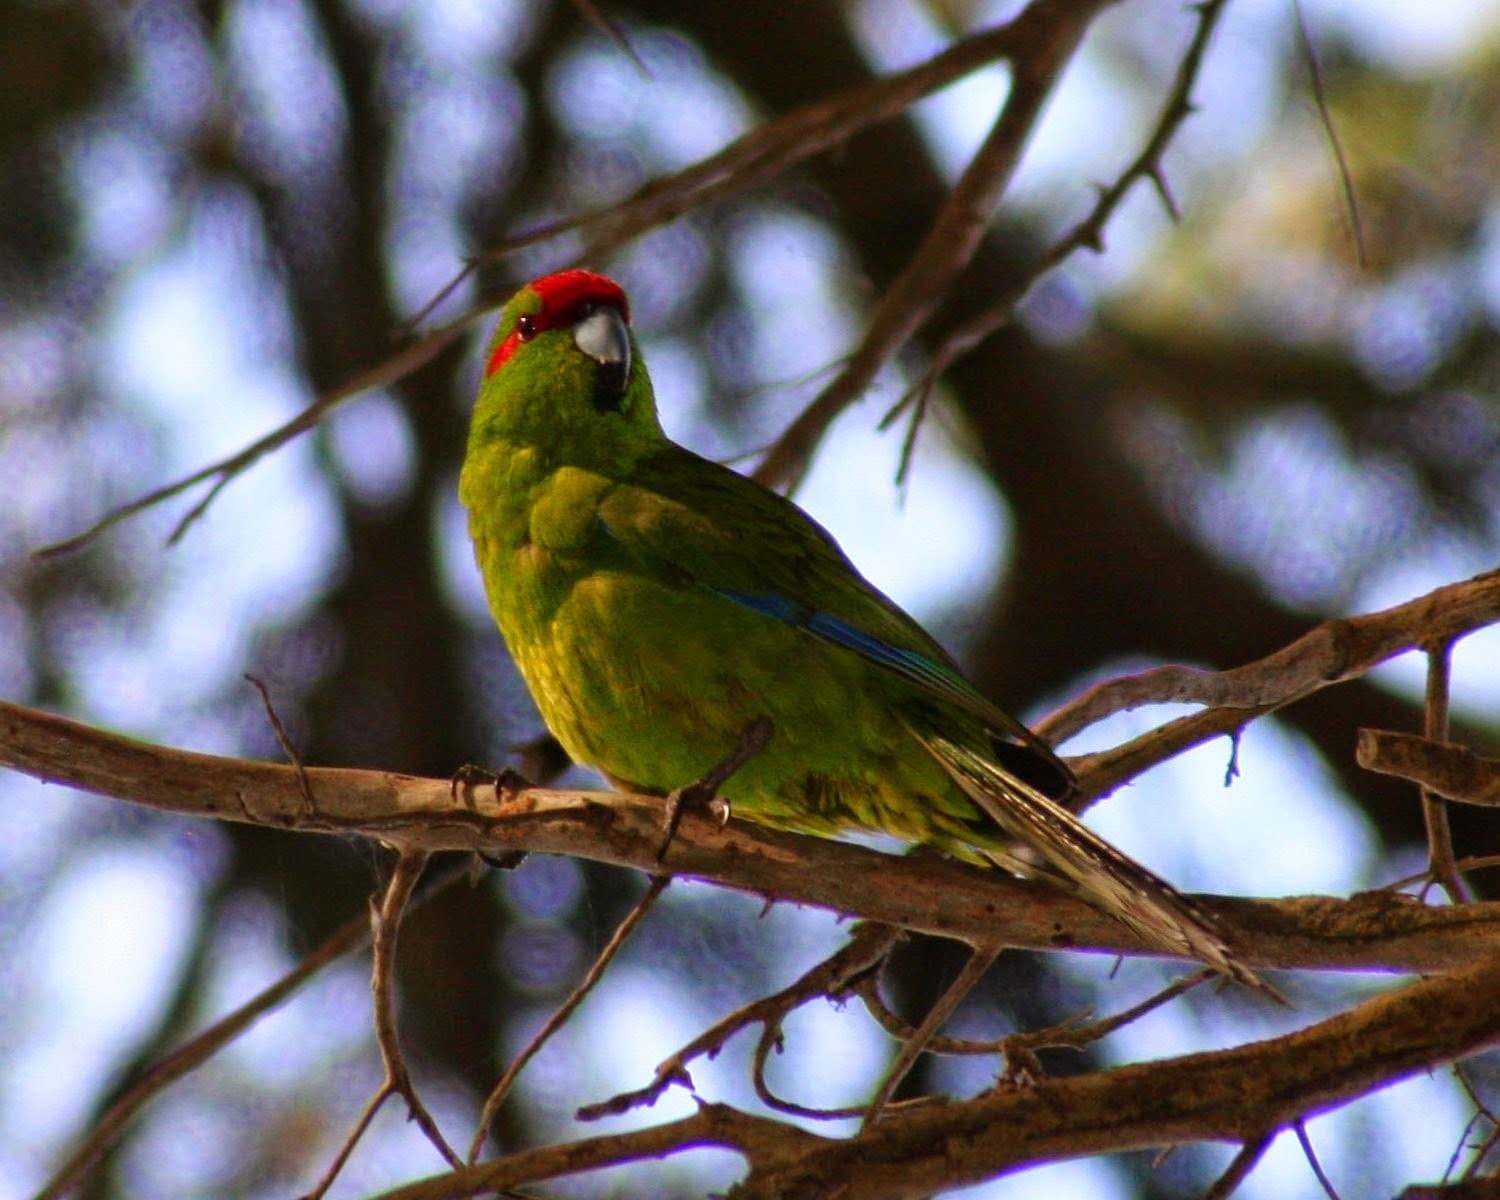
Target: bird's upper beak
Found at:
x=603, y=337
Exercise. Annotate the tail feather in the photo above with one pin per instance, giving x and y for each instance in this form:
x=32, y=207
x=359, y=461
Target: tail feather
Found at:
x=1113, y=881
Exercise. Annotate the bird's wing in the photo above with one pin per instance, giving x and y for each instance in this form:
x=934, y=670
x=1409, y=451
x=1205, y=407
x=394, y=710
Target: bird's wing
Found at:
x=698, y=522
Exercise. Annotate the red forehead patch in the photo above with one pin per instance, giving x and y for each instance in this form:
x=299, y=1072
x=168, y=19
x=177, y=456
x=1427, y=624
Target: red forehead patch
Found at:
x=565, y=295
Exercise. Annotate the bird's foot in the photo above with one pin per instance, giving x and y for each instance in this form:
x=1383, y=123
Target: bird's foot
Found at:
x=704, y=794
x=506, y=782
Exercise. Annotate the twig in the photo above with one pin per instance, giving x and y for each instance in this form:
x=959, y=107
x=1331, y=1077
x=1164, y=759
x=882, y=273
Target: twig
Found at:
x=980, y=960
x=1331, y=652
x=1441, y=767
x=611, y=29
x=1312, y=1159
x=1434, y=810
x=396, y=366
x=1075, y=1033
x=1239, y=1167
x=1051, y=30
x=565, y=1010
x=285, y=739
x=385, y=923
x=1087, y=234
x=1346, y=180
x=866, y=949
x=771, y=1039
x=348, y=937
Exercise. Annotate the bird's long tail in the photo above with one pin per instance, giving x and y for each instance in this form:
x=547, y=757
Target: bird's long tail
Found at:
x=1112, y=881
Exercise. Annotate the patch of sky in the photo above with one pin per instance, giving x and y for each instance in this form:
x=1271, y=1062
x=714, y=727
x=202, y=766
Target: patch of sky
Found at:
x=1410, y=325
x=462, y=34
x=448, y=136
x=1281, y=829
x=123, y=182
x=279, y=1050
x=1296, y=509
x=373, y=449
x=1403, y=36
x=291, y=113
x=1488, y=264
x=120, y=918
x=461, y=581
x=194, y=342
x=683, y=112
x=172, y=80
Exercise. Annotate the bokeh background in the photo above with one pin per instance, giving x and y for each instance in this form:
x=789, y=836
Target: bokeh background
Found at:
x=1188, y=449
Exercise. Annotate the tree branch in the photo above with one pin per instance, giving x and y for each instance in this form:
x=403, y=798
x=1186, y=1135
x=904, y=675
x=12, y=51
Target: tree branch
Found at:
x=1049, y=30
x=1242, y=1095
x=1448, y=770
x=923, y=893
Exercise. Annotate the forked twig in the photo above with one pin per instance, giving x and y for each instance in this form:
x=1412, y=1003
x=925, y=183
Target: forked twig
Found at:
x=1086, y=234
x=385, y=923
x=979, y=961
x=865, y=950
x=566, y=1009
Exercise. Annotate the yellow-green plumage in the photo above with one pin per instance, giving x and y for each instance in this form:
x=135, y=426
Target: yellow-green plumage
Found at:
x=658, y=603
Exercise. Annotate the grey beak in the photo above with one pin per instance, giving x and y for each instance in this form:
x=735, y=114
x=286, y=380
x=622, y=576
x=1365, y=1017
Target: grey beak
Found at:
x=603, y=337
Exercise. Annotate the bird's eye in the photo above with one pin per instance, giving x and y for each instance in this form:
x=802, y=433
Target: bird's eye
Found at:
x=526, y=327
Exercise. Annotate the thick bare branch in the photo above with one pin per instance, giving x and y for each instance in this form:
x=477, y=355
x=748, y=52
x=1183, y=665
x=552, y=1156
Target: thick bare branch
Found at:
x=923, y=893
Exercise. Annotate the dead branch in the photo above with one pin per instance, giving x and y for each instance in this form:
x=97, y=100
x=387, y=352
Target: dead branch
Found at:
x=1334, y=651
x=385, y=923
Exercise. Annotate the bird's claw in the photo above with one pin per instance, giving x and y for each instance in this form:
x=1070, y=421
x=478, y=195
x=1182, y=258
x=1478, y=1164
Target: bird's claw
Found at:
x=506, y=782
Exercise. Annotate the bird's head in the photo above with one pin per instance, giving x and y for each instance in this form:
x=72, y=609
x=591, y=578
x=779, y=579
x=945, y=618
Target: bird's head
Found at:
x=563, y=371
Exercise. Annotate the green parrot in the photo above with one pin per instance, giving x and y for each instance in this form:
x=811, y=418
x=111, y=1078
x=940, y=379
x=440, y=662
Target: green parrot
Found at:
x=660, y=605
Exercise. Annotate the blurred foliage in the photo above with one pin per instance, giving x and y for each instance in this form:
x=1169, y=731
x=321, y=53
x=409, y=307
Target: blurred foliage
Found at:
x=1202, y=440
